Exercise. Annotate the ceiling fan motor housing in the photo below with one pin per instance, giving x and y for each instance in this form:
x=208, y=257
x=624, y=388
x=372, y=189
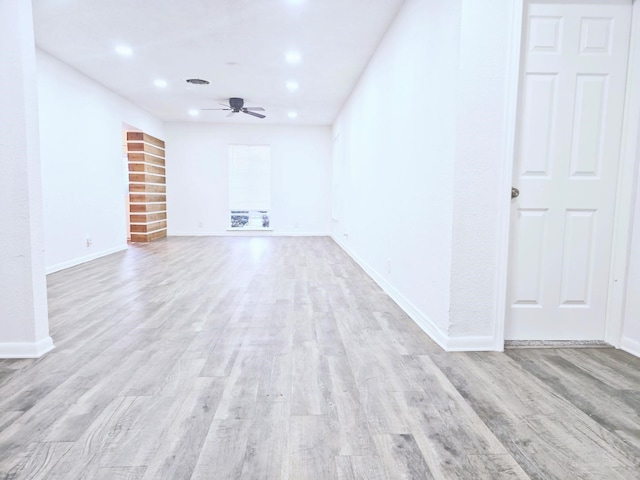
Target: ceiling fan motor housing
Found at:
x=236, y=103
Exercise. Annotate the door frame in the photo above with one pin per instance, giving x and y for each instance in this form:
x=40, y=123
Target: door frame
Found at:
x=626, y=184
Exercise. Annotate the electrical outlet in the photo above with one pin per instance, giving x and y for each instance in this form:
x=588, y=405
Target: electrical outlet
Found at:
x=389, y=266
x=89, y=242
x=200, y=224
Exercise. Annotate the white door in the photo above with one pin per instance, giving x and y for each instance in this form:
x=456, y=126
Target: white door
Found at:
x=574, y=64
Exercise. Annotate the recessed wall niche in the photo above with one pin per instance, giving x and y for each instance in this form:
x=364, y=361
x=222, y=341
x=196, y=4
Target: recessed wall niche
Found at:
x=147, y=187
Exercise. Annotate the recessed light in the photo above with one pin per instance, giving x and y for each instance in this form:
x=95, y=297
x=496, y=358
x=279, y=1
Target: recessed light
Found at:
x=293, y=57
x=292, y=85
x=293, y=114
x=193, y=112
x=295, y=2
x=197, y=81
x=124, y=50
x=160, y=83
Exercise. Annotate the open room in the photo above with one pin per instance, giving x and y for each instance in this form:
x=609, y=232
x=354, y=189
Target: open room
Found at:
x=320, y=239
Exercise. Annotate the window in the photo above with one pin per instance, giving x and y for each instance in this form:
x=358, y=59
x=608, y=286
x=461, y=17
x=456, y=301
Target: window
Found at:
x=249, y=186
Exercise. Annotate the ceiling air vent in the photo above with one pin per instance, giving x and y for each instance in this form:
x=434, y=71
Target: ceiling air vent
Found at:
x=198, y=81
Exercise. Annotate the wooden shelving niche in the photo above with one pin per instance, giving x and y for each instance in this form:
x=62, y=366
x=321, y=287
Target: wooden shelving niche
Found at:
x=147, y=187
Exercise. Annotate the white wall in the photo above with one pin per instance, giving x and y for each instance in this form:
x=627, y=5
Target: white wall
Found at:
x=631, y=329
x=421, y=148
x=480, y=196
x=24, y=328
x=630, y=340
x=395, y=157
x=82, y=167
x=197, y=173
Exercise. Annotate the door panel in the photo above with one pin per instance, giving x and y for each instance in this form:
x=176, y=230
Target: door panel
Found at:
x=577, y=266
x=531, y=226
x=567, y=153
x=538, y=129
x=588, y=125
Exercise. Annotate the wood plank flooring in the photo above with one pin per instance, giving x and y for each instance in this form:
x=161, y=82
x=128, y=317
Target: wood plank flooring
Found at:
x=278, y=358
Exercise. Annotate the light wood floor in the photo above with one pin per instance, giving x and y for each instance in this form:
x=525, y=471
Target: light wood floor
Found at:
x=278, y=358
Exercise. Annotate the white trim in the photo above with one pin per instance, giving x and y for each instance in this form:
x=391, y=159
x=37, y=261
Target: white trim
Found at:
x=420, y=319
x=472, y=344
x=302, y=234
x=447, y=343
x=630, y=346
x=625, y=192
x=87, y=258
x=511, y=123
x=26, y=349
x=249, y=229
x=249, y=233
x=582, y=2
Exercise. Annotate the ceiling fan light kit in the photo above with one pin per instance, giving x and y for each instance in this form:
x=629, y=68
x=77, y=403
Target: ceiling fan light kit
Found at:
x=236, y=105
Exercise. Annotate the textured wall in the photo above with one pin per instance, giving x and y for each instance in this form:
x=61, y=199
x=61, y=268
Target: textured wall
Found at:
x=631, y=317
x=394, y=161
x=480, y=158
x=631, y=329
x=420, y=150
x=23, y=301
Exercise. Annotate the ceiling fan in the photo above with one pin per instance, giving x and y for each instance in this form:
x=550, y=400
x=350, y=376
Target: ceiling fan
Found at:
x=236, y=105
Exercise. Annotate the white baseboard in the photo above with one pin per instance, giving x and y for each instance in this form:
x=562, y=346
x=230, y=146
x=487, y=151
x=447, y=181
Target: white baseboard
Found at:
x=471, y=344
x=26, y=349
x=447, y=343
x=87, y=258
x=420, y=319
x=302, y=234
x=630, y=346
x=249, y=233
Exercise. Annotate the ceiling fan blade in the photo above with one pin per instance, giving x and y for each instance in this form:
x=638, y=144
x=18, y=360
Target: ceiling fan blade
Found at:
x=231, y=113
x=253, y=114
x=215, y=109
x=254, y=109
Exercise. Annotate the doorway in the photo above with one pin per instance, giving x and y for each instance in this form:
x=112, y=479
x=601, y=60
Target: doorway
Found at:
x=573, y=74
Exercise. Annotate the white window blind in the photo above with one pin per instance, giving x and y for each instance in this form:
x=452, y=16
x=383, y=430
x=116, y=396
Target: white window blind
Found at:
x=250, y=177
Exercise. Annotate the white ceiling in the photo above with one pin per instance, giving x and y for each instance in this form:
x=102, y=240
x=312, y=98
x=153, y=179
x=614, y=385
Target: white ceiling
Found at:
x=238, y=45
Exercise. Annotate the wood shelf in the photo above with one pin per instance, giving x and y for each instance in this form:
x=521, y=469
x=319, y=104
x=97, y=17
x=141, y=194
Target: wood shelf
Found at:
x=147, y=187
